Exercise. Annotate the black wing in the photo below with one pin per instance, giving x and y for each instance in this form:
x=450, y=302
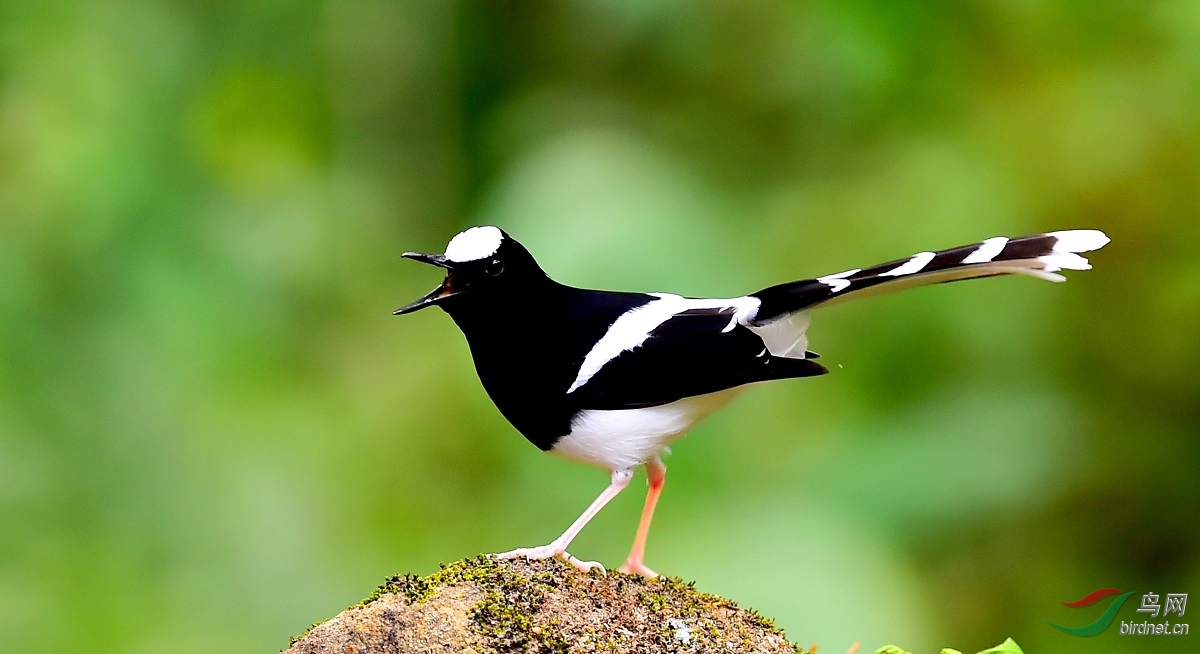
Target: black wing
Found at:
x=689, y=354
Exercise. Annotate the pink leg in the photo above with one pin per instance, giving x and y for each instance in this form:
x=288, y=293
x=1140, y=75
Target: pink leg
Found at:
x=656, y=476
x=558, y=547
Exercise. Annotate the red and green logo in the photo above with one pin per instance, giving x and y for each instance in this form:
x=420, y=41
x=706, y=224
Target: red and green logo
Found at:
x=1104, y=620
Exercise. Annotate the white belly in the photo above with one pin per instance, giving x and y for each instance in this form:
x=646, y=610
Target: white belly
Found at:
x=624, y=438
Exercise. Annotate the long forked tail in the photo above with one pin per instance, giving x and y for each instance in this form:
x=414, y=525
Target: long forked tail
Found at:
x=1040, y=256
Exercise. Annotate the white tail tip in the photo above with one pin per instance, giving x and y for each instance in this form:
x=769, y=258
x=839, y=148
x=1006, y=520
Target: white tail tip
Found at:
x=1079, y=240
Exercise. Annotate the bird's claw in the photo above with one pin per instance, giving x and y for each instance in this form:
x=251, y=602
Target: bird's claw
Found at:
x=584, y=566
x=548, y=551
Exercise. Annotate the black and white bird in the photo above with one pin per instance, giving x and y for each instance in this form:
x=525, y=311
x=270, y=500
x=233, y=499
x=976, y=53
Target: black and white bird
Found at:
x=612, y=379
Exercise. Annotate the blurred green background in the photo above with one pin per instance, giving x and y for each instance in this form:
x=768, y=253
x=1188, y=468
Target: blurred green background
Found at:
x=212, y=433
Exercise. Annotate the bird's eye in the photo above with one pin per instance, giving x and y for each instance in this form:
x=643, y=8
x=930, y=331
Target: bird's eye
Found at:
x=494, y=267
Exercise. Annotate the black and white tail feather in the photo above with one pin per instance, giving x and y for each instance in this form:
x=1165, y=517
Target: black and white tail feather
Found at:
x=782, y=318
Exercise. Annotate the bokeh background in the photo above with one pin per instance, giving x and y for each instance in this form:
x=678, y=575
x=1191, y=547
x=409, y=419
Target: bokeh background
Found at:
x=212, y=432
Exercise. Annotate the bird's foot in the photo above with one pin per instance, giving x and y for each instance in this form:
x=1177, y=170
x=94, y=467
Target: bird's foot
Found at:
x=583, y=566
x=637, y=567
x=535, y=553
x=547, y=551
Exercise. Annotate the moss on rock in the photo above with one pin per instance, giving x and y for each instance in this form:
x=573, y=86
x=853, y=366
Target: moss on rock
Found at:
x=488, y=606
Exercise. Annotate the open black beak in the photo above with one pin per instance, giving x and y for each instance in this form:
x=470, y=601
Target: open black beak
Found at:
x=445, y=290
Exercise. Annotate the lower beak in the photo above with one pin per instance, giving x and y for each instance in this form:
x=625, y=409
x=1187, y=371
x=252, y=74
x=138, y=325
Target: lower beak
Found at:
x=445, y=290
x=435, y=296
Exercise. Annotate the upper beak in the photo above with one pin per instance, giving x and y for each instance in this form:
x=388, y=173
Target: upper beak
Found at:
x=432, y=259
x=445, y=290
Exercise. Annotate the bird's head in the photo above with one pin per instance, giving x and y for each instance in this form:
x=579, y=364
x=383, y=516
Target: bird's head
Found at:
x=481, y=263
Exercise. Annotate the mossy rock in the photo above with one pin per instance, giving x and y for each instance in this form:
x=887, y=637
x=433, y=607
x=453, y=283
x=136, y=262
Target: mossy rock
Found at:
x=483, y=605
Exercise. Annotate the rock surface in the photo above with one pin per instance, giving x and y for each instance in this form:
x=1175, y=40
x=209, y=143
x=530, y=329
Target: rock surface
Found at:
x=483, y=605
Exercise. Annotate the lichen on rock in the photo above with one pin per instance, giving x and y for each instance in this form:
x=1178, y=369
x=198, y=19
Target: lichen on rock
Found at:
x=488, y=606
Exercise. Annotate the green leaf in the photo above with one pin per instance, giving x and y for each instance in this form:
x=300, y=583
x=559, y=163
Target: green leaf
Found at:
x=1009, y=646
